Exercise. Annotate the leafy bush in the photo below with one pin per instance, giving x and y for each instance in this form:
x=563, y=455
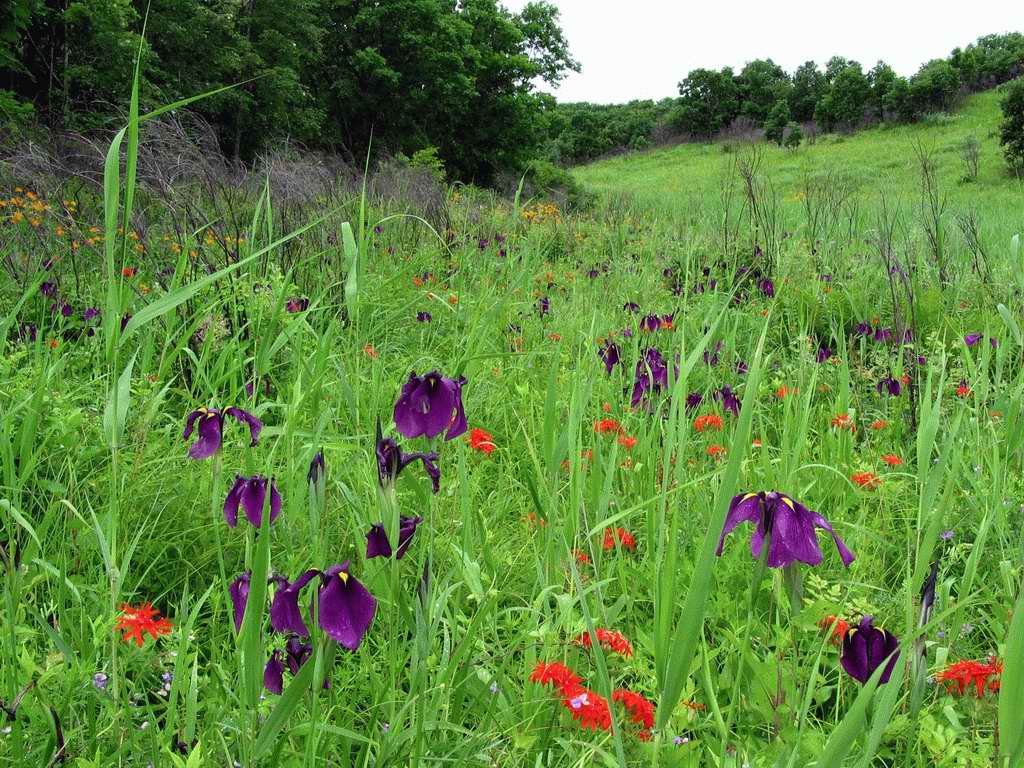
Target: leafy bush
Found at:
x=1011, y=134
x=794, y=135
x=778, y=120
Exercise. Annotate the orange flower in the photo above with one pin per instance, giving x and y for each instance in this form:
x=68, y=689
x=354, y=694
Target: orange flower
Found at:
x=715, y=450
x=959, y=676
x=868, y=480
x=417, y=281
x=839, y=628
x=755, y=444
x=879, y=424
x=607, y=425
x=531, y=520
x=709, y=421
x=453, y=299
x=581, y=557
x=133, y=622
x=555, y=336
x=783, y=391
x=609, y=639
x=606, y=407
x=843, y=421
x=624, y=537
x=892, y=459
x=627, y=441
x=53, y=343
x=963, y=390
x=370, y=351
x=481, y=440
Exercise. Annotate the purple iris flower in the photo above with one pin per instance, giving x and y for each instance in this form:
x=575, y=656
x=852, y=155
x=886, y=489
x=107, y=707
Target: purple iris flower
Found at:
x=824, y=353
x=295, y=654
x=429, y=405
x=346, y=608
x=543, y=306
x=865, y=648
x=609, y=355
x=742, y=368
x=377, y=544
x=251, y=494
x=693, y=401
x=239, y=591
x=993, y=341
x=391, y=461
x=499, y=239
x=711, y=357
x=211, y=427
x=424, y=317
x=767, y=287
x=317, y=469
x=593, y=273
x=90, y=313
x=651, y=375
x=273, y=674
x=729, y=400
x=883, y=334
x=124, y=320
x=48, y=289
x=631, y=306
x=890, y=385
x=787, y=523
x=627, y=333
x=482, y=243
x=27, y=331
x=862, y=329
x=297, y=305
x=650, y=323
x=825, y=278
x=285, y=615
x=67, y=310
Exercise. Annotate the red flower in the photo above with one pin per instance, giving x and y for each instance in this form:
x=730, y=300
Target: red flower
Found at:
x=641, y=711
x=481, y=440
x=892, y=459
x=868, y=480
x=532, y=520
x=556, y=674
x=879, y=424
x=839, y=628
x=609, y=639
x=606, y=407
x=133, y=622
x=715, y=450
x=627, y=441
x=963, y=390
x=581, y=557
x=959, y=676
x=128, y=271
x=607, y=425
x=590, y=709
x=625, y=539
x=843, y=421
x=783, y=391
x=709, y=421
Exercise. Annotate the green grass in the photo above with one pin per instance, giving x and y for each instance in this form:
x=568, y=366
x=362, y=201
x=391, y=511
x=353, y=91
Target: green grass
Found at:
x=510, y=566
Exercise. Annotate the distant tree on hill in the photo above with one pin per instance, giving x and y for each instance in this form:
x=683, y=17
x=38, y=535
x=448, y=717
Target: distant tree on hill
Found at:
x=1011, y=130
x=794, y=135
x=934, y=87
x=843, y=105
x=708, y=102
x=882, y=79
x=761, y=83
x=808, y=87
x=778, y=120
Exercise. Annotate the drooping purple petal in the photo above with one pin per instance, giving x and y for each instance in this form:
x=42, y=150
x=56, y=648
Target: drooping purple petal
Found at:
x=285, y=615
x=346, y=607
x=254, y=424
x=239, y=591
x=744, y=508
x=211, y=423
x=273, y=674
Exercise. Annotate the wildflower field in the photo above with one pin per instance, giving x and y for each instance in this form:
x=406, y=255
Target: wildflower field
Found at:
x=515, y=483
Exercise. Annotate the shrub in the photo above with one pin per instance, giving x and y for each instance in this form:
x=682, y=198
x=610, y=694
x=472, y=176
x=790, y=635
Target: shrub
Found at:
x=778, y=119
x=794, y=135
x=1011, y=133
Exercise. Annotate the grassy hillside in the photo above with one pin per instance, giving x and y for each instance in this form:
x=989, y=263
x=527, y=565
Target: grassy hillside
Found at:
x=687, y=177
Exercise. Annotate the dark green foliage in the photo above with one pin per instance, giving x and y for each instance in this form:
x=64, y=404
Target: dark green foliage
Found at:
x=1011, y=130
x=844, y=102
x=708, y=102
x=778, y=120
x=882, y=79
x=934, y=87
x=808, y=87
x=793, y=136
x=580, y=131
x=761, y=84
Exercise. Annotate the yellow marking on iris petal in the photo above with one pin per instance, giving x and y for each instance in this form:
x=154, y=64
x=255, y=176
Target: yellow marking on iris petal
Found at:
x=789, y=502
x=344, y=577
x=203, y=410
x=748, y=496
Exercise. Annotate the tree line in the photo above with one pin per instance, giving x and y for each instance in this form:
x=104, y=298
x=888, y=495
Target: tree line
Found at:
x=456, y=79
x=841, y=95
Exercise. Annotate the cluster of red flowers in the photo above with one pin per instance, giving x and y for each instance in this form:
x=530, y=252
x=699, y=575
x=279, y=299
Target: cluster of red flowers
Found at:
x=843, y=421
x=609, y=639
x=868, y=480
x=982, y=675
x=708, y=421
x=605, y=426
x=620, y=535
x=892, y=459
x=481, y=440
x=581, y=557
x=839, y=627
x=715, y=451
x=879, y=424
x=144, y=619
x=589, y=708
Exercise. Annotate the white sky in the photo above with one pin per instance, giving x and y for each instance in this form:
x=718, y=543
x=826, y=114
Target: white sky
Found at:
x=641, y=49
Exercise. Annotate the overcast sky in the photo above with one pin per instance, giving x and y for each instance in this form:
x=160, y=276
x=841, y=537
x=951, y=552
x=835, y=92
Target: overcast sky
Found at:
x=641, y=49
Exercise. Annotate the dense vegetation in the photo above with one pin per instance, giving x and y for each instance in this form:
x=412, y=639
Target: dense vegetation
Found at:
x=761, y=95
x=410, y=75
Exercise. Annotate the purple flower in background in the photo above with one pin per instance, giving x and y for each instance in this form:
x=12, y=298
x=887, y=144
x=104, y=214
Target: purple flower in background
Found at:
x=273, y=673
x=391, y=461
x=631, y=306
x=729, y=401
x=482, y=243
x=499, y=239
x=972, y=338
x=27, y=331
x=693, y=401
x=862, y=329
x=883, y=335
x=593, y=273
x=48, y=289
x=211, y=428
x=824, y=353
x=788, y=525
x=251, y=494
x=377, y=544
x=825, y=278
x=90, y=313
x=317, y=470
x=297, y=305
x=742, y=368
x=651, y=375
x=543, y=305
x=865, y=648
x=627, y=333
x=346, y=608
x=125, y=320
x=711, y=358
x=67, y=310
x=609, y=355
x=239, y=591
x=650, y=323
x=889, y=385
x=424, y=317
x=429, y=405
x=993, y=341
x=766, y=286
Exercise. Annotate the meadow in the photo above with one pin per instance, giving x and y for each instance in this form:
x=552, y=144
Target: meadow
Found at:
x=341, y=482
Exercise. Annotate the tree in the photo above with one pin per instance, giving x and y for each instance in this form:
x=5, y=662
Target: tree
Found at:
x=881, y=79
x=778, y=119
x=761, y=84
x=808, y=87
x=934, y=87
x=1011, y=130
x=708, y=102
x=843, y=105
x=794, y=135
